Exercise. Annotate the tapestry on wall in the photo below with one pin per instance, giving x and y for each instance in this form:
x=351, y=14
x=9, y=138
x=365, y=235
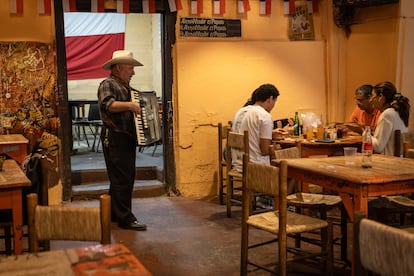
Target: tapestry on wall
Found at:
x=27, y=89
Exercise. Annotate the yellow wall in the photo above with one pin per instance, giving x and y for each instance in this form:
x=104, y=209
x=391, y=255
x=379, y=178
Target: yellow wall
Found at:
x=371, y=50
x=405, y=54
x=29, y=27
x=214, y=77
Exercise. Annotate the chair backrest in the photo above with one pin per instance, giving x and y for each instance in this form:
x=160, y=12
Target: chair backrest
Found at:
x=382, y=249
x=93, y=114
x=401, y=140
x=238, y=142
x=265, y=179
x=408, y=151
x=397, y=143
x=222, y=136
x=68, y=222
x=286, y=153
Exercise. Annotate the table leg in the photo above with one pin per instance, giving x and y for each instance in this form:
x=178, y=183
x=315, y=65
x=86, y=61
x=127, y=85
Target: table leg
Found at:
x=17, y=221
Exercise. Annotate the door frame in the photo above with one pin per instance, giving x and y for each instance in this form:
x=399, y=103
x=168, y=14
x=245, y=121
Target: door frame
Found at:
x=65, y=129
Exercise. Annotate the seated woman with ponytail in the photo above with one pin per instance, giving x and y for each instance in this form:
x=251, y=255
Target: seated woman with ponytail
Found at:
x=395, y=112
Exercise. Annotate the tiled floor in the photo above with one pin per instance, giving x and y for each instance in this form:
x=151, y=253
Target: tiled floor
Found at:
x=185, y=235
x=190, y=236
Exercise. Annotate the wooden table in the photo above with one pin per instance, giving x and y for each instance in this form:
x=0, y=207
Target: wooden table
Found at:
x=313, y=148
x=110, y=259
x=12, y=180
x=389, y=175
x=14, y=146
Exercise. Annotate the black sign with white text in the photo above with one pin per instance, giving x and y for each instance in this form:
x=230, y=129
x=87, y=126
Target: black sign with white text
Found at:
x=210, y=27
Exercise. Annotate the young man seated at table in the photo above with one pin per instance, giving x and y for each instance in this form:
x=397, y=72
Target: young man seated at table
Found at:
x=364, y=114
x=256, y=119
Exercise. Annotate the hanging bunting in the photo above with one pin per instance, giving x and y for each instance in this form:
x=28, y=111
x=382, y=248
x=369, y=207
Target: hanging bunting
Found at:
x=243, y=6
x=289, y=6
x=97, y=6
x=175, y=5
x=16, y=7
x=122, y=6
x=44, y=7
x=69, y=5
x=196, y=6
x=315, y=7
x=219, y=6
x=148, y=6
x=265, y=7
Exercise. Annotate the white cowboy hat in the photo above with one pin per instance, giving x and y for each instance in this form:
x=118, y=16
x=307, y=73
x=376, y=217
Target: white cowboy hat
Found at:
x=121, y=56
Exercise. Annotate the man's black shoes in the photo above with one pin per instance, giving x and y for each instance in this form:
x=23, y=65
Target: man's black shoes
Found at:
x=135, y=225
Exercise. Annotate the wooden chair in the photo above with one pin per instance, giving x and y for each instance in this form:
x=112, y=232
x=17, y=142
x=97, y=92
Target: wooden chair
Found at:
x=314, y=202
x=408, y=151
x=240, y=142
x=267, y=179
x=382, y=249
x=68, y=222
x=384, y=207
x=402, y=142
x=222, y=172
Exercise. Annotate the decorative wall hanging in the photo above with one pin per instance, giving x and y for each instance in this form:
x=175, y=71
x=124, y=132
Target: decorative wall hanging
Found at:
x=301, y=23
x=27, y=89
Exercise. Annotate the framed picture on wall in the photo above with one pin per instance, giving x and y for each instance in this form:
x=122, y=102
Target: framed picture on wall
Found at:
x=301, y=23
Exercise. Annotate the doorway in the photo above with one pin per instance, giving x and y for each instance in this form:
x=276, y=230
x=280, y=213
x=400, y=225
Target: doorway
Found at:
x=142, y=35
x=166, y=38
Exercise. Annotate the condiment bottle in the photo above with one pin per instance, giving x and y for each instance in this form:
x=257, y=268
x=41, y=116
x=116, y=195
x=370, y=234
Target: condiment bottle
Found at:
x=367, y=148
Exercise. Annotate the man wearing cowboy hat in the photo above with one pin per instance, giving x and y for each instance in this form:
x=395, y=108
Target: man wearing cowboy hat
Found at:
x=119, y=136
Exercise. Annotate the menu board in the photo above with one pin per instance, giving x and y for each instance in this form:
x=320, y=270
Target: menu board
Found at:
x=210, y=27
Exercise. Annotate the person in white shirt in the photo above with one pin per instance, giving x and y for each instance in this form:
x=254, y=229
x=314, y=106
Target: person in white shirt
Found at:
x=256, y=119
x=395, y=112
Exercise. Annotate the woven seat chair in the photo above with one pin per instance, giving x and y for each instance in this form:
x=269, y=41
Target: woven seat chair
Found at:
x=315, y=202
x=384, y=207
x=382, y=249
x=68, y=222
x=267, y=179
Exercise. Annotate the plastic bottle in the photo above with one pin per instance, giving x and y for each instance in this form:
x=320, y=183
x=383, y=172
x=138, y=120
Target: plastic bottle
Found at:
x=367, y=148
x=296, y=124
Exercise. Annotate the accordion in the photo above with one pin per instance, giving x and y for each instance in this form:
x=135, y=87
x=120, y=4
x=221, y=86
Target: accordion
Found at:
x=147, y=123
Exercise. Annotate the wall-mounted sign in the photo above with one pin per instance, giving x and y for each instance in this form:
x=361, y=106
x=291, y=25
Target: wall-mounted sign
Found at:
x=210, y=27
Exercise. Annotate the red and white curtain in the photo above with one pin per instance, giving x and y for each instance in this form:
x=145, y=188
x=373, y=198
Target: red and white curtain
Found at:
x=90, y=41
